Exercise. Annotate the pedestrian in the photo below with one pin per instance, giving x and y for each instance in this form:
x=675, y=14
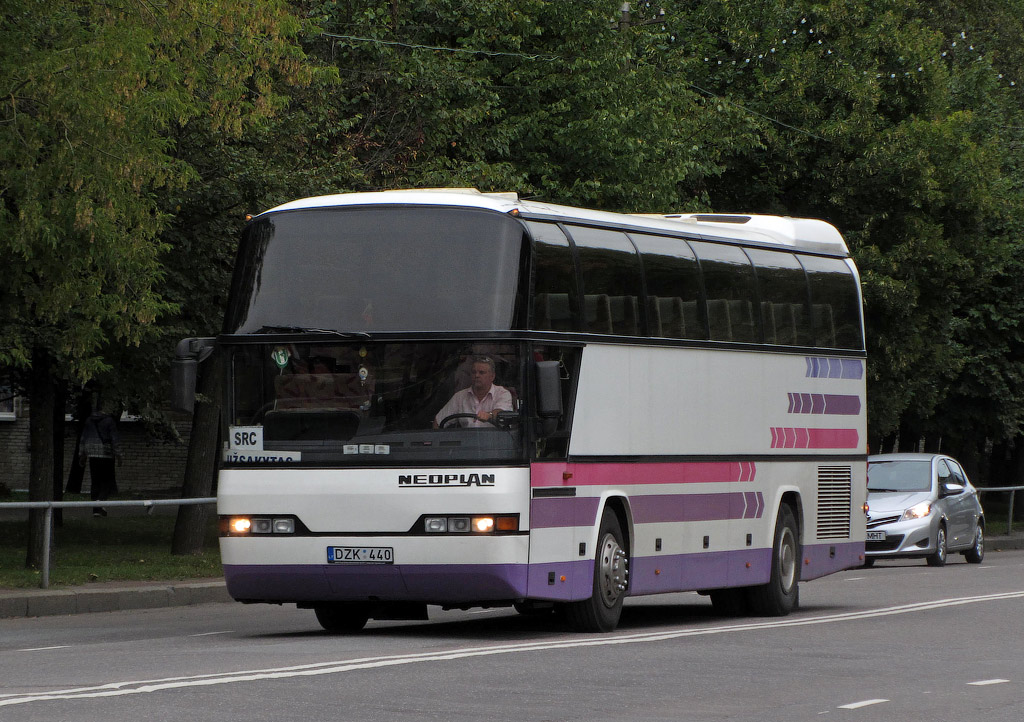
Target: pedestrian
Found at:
x=100, y=445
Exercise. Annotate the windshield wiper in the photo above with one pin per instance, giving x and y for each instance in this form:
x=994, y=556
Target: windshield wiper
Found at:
x=309, y=329
x=871, y=488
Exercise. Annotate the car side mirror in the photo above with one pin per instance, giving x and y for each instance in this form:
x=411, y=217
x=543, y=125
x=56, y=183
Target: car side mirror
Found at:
x=951, y=489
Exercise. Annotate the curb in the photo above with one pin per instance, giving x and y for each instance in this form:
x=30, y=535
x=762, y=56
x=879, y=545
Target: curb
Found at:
x=111, y=598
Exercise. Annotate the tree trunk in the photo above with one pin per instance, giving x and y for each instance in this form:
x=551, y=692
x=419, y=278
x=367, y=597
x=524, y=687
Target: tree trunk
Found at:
x=40, y=481
x=201, y=466
x=60, y=396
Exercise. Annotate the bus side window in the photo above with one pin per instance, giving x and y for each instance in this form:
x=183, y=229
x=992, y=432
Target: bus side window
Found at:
x=674, y=307
x=555, y=300
x=835, y=303
x=731, y=293
x=782, y=284
x=612, y=286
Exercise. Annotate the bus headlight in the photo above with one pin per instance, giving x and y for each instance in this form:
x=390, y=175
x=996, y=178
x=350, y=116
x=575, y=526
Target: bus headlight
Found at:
x=284, y=526
x=482, y=524
x=240, y=525
x=262, y=526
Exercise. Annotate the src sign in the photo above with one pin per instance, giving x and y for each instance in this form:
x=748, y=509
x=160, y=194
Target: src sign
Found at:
x=445, y=480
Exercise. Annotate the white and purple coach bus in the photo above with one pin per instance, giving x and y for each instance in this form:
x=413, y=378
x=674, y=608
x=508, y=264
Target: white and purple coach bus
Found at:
x=685, y=402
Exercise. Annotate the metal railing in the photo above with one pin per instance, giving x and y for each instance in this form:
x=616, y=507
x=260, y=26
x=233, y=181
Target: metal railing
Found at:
x=49, y=506
x=1012, y=490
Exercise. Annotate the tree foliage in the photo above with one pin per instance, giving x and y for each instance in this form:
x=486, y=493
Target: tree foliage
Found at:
x=135, y=136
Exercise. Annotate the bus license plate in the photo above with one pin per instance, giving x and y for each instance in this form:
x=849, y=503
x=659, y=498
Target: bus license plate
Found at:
x=876, y=536
x=360, y=555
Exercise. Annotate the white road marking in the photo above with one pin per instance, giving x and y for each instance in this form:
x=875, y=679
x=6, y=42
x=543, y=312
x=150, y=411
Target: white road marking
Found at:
x=987, y=682
x=43, y=649
x=865, y=703
x=854, y=579
x=210, y=634
x=118, y=689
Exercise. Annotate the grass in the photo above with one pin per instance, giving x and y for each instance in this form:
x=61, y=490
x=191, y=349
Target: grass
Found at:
x=128, y=545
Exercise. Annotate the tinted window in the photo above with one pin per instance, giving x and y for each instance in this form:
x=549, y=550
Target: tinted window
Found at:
x=674, y=308
x=835, y=303
x=729, y=286
x=555, y=295
x=376, y=269
x=610, y=269
x=783, y=290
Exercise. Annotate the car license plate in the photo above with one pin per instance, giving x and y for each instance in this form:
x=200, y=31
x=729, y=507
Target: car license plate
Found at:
x=876, y=536
x=360, y=555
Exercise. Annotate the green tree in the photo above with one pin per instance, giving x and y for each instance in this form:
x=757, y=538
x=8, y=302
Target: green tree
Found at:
x=92, y=96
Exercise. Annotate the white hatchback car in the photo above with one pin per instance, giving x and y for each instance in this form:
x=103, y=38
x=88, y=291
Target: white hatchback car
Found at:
x=922, y=505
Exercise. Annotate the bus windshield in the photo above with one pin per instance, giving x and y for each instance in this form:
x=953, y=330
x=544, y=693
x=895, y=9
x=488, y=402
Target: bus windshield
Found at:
x=377, y=270
x=356, y=403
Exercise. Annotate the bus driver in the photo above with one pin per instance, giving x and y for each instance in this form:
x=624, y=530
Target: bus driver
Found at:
x=482, y=397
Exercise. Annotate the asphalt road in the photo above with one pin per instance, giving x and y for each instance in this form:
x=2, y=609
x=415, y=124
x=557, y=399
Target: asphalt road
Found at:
x=901, y=641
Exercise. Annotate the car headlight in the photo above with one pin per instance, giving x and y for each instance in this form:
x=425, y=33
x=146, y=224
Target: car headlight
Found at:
x=918, y=511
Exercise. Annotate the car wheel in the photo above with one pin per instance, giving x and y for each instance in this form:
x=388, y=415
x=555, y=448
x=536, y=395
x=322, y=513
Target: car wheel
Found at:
x=342, y=618
x=976, y=553
x=938, y=558
x=781, y=594
x=601, y=612
x=868, y=562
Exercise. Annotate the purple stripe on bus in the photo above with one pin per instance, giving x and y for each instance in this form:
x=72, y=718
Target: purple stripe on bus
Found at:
x=832, y=404
x=692, y=507
x=823, y=558
x=563, y=511
x=824, y=367
x=434, y=584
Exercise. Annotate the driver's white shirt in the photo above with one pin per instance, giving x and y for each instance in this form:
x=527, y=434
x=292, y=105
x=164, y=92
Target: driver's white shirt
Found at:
x=466, y=402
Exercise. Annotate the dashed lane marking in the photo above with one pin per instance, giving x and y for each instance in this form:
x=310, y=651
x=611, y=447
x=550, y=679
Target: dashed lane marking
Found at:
x=865, y=703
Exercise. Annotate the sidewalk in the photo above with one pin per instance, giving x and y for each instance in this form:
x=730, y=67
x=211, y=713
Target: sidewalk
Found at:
x=110, y=597
x=114, y=596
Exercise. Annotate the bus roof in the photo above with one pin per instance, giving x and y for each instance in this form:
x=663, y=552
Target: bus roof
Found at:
x=805, y=234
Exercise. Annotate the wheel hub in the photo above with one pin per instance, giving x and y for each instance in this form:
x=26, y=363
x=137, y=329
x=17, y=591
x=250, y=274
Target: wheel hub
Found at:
x=613, y=570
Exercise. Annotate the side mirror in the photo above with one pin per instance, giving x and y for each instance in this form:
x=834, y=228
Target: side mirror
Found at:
x=185, y=370
x=549, y=395
x=951, y=489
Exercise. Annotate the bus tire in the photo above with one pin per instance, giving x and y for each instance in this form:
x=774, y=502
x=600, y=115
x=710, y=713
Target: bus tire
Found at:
x=601, y=612
x=780, y=595
x=342, y=617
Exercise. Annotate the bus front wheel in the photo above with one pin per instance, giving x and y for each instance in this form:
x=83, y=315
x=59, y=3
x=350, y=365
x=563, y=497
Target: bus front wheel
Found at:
x=780, y=595
x=601, y=612
x=342, y=617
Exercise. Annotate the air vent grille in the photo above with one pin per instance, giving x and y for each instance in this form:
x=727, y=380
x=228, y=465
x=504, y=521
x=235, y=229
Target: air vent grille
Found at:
x=835, y=485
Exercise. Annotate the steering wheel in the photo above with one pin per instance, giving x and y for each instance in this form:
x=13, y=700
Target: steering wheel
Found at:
x=450, y=417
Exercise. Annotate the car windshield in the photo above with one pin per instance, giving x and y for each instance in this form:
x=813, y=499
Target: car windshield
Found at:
x=358, y=403
x=905, y=475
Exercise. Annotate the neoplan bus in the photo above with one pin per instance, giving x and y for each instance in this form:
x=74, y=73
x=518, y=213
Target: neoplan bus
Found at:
x=686, y=408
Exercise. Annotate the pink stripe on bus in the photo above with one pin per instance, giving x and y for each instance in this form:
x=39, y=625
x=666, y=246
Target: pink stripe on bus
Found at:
x=801, y=438
x=618, y=474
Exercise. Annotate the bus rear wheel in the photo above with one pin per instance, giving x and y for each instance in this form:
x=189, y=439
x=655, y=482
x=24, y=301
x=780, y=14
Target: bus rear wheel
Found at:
x=780, y=595
x=601, y=612
x=342, y=617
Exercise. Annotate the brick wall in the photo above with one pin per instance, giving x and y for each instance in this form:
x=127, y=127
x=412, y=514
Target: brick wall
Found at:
x=151, y=468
